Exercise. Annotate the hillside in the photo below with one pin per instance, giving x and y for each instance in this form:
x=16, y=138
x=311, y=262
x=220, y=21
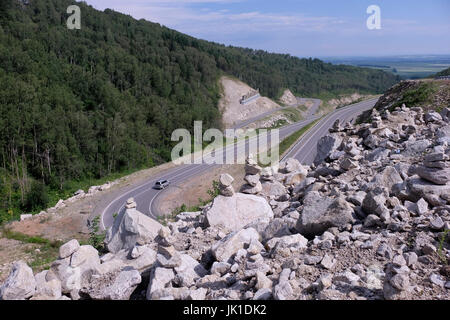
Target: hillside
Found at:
x=427, y=94
x=445, y=72
x=83, y=104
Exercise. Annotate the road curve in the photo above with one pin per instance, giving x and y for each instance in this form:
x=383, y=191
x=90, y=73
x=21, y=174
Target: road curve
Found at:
x=304, y=150
x=144, y=194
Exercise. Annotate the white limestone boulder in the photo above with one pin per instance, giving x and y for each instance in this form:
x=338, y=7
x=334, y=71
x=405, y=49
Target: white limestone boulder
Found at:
x=237, y=211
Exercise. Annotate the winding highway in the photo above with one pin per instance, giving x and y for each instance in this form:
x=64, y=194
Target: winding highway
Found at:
x=306, y=147
x=304, y=150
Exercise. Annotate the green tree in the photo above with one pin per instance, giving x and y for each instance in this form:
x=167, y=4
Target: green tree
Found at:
x=36, y=198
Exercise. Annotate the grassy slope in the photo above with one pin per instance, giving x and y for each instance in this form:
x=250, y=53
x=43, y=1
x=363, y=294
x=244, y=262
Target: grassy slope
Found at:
x=427, y=94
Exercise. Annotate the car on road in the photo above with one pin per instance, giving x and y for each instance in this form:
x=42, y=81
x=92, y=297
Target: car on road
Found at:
x=161, y=184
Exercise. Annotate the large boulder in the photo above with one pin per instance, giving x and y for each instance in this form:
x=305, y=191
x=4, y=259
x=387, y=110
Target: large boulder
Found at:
x=274, y=189
x=418, y=188
x=143, y=262
x=295, y=178
x=321, y=213
x=377, y=154
x=412, y=148
x=276, y=228
x=372, y=141
x=189, y=270
x=445, y=114
x=130, y=228
x=387, y=178
x=435, y=175
x=432, y=116
x=20, y=283
x=160, y=278
x=86, y=257
x=292, y=165
x=326, y=145
x=74, y=272
x=47, y=290
x=374, y=201
x=67, y=249
x=228, y=246
x=237, y=211
x=69, y=277
x=114, y=286
x=443, y=134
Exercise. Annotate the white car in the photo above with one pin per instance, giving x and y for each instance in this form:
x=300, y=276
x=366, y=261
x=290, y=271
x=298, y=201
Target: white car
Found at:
x=161, y=184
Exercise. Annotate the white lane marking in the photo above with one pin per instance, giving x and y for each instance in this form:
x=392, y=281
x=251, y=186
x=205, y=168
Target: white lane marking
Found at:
x=293, y=148
x=304, y=144
x=337, y=113
x=159, y=193
x=128, y=192
x=346, y=115
x=312, y=135
x=151, y=183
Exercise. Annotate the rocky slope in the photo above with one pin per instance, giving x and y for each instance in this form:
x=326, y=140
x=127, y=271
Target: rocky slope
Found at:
x=232, y=111
x=288, y=98
x=369, y=220
x=427, y=94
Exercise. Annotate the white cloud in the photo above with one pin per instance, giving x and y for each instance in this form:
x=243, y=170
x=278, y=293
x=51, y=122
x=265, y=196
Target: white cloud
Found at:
x=281, y=32
x=176, y=13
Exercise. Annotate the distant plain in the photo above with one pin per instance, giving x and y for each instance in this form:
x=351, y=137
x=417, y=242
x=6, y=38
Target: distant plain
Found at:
x=406, y=66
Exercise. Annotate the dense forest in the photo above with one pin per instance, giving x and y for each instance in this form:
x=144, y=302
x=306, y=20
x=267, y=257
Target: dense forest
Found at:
x=77, y=104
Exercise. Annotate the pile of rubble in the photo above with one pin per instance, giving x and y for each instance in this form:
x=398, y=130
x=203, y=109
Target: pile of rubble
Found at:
x=368, y=220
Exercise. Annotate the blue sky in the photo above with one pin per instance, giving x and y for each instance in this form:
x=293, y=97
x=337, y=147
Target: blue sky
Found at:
x=304, y=28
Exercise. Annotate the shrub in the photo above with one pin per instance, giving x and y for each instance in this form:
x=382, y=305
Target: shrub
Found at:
x=215, y=191
x=37, y=198
x=96, y=238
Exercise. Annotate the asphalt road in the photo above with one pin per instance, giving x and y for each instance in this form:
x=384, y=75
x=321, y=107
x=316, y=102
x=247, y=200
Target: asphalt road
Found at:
x=304, y=150
x=144, y=194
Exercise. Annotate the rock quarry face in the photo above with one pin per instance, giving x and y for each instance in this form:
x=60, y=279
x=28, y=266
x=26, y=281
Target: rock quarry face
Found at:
x=368, y=221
